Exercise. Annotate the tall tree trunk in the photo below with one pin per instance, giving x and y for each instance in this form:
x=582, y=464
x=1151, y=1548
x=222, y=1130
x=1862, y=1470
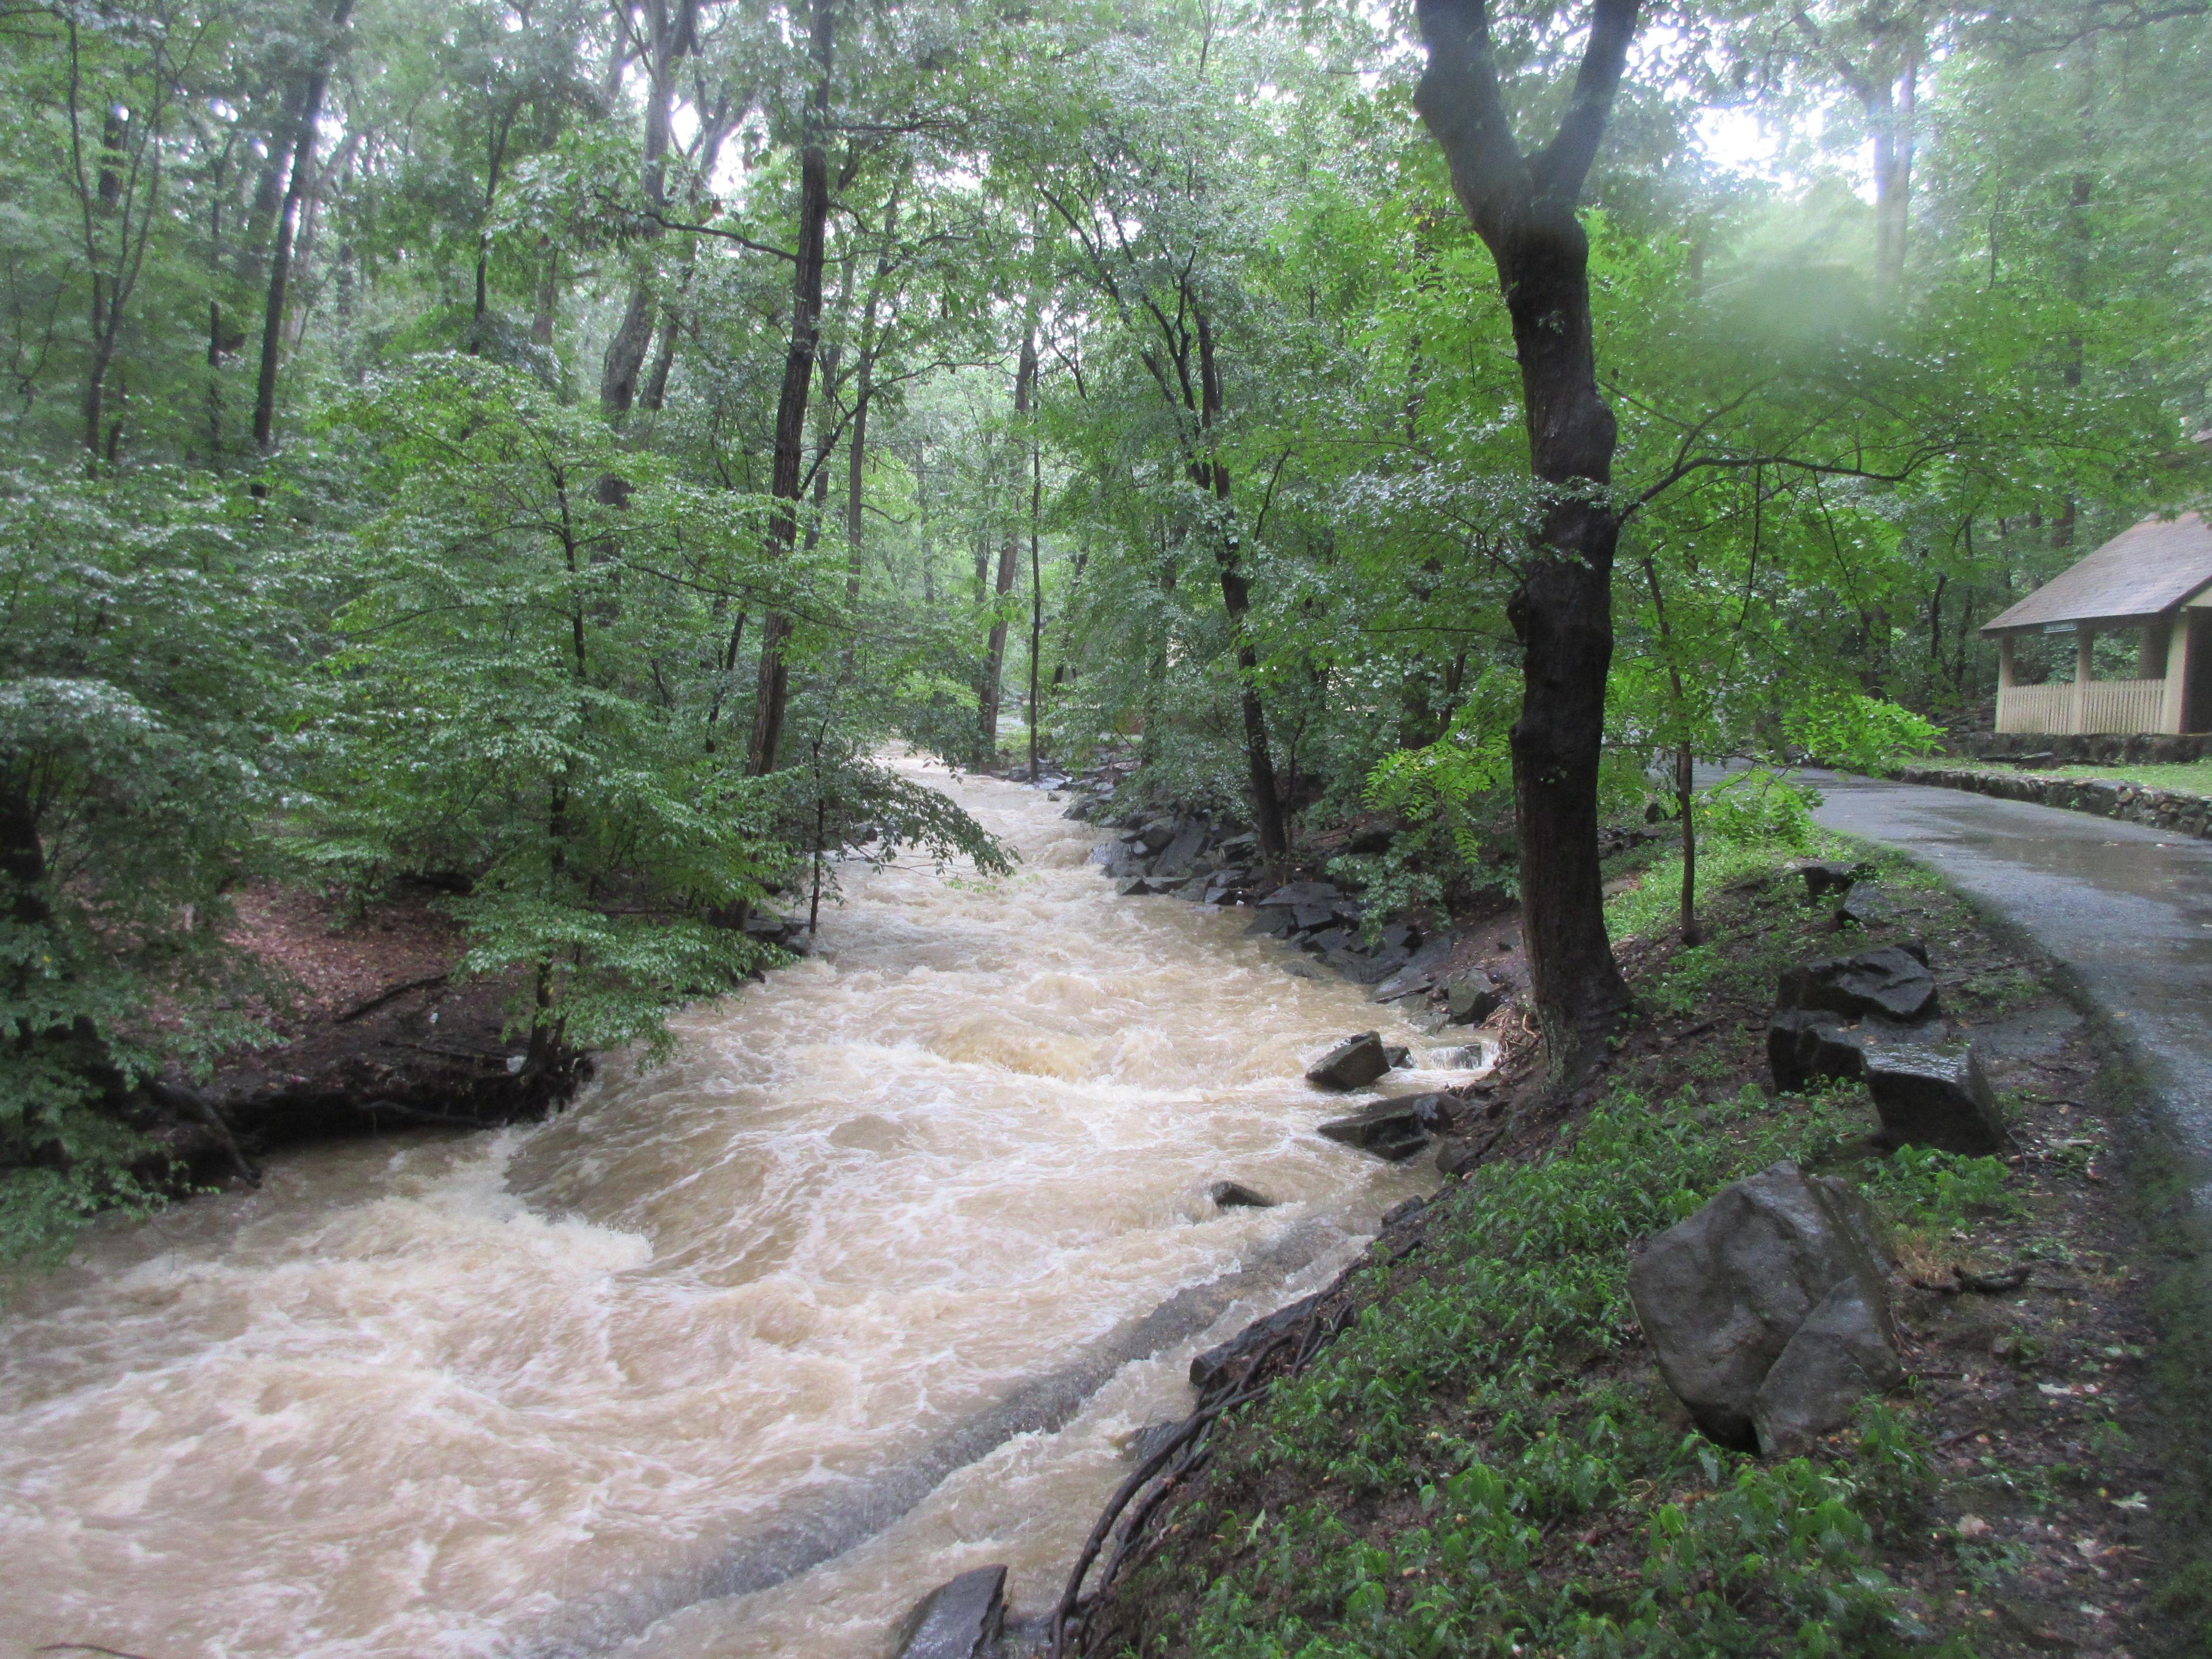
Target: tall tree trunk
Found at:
x=1236, y=600
x=864, y=391
x=995, y=663
x=288, y=220
x=673, y=34
x=1524, y=209
x=1036, y=597
x=774, y=682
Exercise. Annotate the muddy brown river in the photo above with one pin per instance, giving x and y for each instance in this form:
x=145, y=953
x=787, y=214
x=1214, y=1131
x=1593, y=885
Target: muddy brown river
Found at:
x=870, y=1283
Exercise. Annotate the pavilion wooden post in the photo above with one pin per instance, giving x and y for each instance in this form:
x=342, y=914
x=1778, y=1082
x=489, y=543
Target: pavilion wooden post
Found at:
x=2007, y=677
x=2174, y=708
x=2085, y=667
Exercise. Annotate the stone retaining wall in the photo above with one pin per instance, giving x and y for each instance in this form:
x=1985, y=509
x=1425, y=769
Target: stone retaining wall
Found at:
x=2107, y=797
x=2092, y=749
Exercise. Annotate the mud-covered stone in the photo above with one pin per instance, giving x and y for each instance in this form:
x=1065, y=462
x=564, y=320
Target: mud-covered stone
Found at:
x=1352, y=1064
x=1933, y=1093
x=1721, y=1295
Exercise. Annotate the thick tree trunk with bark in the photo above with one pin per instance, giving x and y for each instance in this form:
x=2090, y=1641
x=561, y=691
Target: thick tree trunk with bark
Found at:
x=784, y=480
x=1524, y=209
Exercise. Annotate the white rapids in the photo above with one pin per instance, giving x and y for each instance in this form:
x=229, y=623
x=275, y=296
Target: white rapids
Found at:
x=742, y=1353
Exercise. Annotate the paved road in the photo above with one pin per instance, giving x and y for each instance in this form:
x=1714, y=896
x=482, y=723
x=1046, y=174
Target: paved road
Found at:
x=2128, y=908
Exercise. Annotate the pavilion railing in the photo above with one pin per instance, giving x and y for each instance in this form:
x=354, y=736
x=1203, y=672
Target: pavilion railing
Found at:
x=2115, y=707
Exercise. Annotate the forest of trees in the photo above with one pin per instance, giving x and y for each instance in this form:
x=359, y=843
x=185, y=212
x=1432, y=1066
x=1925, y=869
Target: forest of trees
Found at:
x=553, y=447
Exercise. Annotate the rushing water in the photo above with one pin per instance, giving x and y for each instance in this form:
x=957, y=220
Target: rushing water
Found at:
x=868, y=1285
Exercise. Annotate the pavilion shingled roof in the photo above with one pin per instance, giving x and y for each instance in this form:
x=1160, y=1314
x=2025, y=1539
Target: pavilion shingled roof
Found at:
x=2140, y=573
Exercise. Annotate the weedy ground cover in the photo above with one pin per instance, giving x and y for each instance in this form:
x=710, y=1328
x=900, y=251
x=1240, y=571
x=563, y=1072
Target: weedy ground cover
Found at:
x=1486, y=1461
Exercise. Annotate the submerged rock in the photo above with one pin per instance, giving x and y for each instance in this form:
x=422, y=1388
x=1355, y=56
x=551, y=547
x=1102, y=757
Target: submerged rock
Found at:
x=1722, y=1295
x=1391, y=1129
x=959, y=1620
x=1235, y=1195
x=1352, y=1064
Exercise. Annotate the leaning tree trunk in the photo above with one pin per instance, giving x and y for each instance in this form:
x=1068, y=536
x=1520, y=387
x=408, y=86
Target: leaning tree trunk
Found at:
x=1524, y=209
x=774, y=680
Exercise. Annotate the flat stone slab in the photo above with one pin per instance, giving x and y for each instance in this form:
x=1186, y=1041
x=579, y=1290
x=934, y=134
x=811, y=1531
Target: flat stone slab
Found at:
x=1352, y=1064
x=1935, y=1094
x=1892, y=983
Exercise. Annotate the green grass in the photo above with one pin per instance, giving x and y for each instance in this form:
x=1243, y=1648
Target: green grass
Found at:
x=1554, y=1504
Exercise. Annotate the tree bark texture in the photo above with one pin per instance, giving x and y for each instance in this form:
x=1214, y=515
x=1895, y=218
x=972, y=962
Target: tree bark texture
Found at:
x=774, y=678
x=1237, y=598
x=995, y=664
x=288, y=222
x=1524, y=207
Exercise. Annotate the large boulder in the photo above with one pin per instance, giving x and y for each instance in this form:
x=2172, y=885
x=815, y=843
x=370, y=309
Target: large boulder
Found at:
x=1892, y=983
x=1352, y=1064
x=959, y=1620
x=1929, y=1092
x=1235, y=1195
x=1722, y=1295
x=1844, y=1351
x=1180, y=856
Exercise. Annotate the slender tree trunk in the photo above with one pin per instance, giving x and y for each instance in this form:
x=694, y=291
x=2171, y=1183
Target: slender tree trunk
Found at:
x=1009, y=553
x=673, y=35
x=288, y=220
x=1036, y=598
x=1684, y=806
x=549, y=296
x=1524, y=209
x=774, y=688
x=1237, y=598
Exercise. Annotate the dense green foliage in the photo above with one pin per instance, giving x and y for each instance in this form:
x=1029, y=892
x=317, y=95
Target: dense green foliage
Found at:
x=394, y=392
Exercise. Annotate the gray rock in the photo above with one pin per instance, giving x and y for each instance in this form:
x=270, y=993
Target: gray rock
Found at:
x=1391, y=1129
x=1235, y=1195
x=1331, y=939
x=1807, y=1045
x=1180, y=856
x=1302, y=970
x=1472, y=998
x=1305, y=892
x=1405, y=1209
x=1269, y=924
x=1933, y=1093
x=1152, y=1437
x=1419, y=973
x=1352, y=1064
x=1863, y=906
x=1455, y=1156
x=1844, y=1351
x=1133, y=886
x=1307, y=916
x=960, y=1619
x=1721, y=1295
x=1157, y=834
x=1398, y=1054
x=1400, y=936
x=1830, y=876
x=1227, y=1362
x=1105, y=853
x=1892, y=983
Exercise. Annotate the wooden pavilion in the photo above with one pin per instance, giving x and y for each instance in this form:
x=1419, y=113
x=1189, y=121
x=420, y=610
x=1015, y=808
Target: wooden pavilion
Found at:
x=2156, y=580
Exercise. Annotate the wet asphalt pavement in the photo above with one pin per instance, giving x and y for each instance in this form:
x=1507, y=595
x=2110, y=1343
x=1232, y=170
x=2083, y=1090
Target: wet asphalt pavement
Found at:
x=2128, y=908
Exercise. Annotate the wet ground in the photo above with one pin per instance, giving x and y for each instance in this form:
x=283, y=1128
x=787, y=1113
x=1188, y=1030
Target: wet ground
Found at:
x=2129, y=910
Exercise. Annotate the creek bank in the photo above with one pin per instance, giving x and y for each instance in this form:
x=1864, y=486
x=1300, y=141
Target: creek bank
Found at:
x=376, y=1033
x=1473, y=1451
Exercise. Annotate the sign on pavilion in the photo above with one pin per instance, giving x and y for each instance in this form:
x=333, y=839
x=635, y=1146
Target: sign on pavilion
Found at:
x=2155, y=580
